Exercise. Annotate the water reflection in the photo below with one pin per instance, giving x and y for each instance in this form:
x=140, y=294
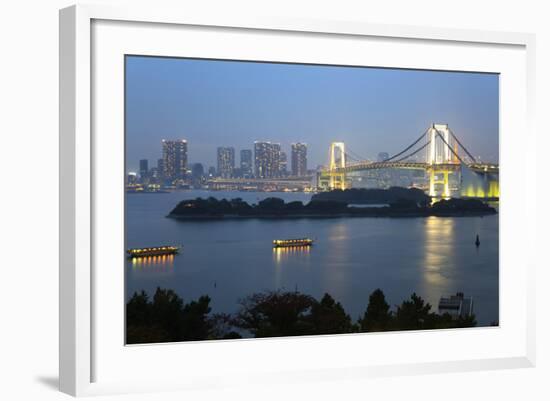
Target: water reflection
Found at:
x=154, y=264
x=281, y=254
x=290, y=256
x=338, y=232
x=338, y=256
x=438, y=249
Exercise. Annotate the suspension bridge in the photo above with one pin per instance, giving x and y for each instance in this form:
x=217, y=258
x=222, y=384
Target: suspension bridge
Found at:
x=438, y=152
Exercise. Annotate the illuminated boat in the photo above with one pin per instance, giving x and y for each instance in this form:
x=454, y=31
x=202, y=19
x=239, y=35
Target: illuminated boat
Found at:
x=284, y=243
x=152, y=251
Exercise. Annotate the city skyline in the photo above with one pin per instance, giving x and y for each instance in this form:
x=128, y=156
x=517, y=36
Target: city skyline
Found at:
x=234, y=104
x=245, y=156
x=174, y=161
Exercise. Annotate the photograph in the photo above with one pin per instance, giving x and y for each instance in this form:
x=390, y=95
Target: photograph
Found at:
x=272, y=199
x=279, y=200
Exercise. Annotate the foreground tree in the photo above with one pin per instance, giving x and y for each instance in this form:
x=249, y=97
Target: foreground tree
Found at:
x=277, y=313
x=166, y=312
x=414, y=314
x=166, y=318
x=222, y=326
x=138, y=309
x=194, y=321
x=140, y=327
x=377, y=317
x=329, y=317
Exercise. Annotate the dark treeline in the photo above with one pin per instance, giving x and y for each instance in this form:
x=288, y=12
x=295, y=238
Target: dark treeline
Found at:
x=237, y=207
x=373, y=195
x=167, y=318
x=276, y=207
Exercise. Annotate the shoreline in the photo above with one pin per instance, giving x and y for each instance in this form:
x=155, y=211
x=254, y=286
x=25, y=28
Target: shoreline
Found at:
x=415, y=214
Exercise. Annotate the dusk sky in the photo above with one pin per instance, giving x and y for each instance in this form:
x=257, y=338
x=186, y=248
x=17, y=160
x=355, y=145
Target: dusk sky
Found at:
x=232, y=103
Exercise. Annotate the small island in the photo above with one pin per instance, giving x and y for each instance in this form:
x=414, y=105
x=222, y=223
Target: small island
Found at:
x=211, y=208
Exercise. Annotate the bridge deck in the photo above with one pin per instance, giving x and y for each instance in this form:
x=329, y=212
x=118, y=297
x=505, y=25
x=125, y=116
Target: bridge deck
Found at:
x=477, y=167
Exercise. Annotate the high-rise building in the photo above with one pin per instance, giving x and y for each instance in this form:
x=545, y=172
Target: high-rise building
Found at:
x=143, y=169
x=160, y=168
x=174, y=156
x=261, y=159
x=246, y=163
x=299, y=159
x=276, y=155
x=266, y=159
x=282, y=164
x=226, y=162
x=383, y=156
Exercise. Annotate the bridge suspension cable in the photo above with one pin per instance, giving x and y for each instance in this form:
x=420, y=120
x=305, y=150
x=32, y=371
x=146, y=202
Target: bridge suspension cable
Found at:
x=398, y=157
x=451, y=148
x=350, y=157
x=413, y=153
x=462, y=146
x=354, y=156
x=407, y=148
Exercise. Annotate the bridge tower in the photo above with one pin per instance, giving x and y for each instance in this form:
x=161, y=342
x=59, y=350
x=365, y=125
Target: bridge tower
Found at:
x=440, y=156
x=337, y=159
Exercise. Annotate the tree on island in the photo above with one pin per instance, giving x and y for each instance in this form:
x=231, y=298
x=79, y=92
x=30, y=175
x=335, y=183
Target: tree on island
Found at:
x=320, y=207
x=271, y=204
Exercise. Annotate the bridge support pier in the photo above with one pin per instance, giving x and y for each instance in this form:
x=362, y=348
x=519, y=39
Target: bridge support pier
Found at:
x=446, y=191
x=337, y=181
x=445, y=182
x=432, y=183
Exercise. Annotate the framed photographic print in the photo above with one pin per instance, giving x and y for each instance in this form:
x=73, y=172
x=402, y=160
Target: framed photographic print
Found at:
x=289, y=199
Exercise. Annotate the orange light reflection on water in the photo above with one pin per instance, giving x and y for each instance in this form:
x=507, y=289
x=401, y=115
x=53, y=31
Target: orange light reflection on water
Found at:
x=280, y=253
x=156, y=264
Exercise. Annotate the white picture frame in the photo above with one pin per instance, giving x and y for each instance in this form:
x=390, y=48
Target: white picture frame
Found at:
x=81, y=345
